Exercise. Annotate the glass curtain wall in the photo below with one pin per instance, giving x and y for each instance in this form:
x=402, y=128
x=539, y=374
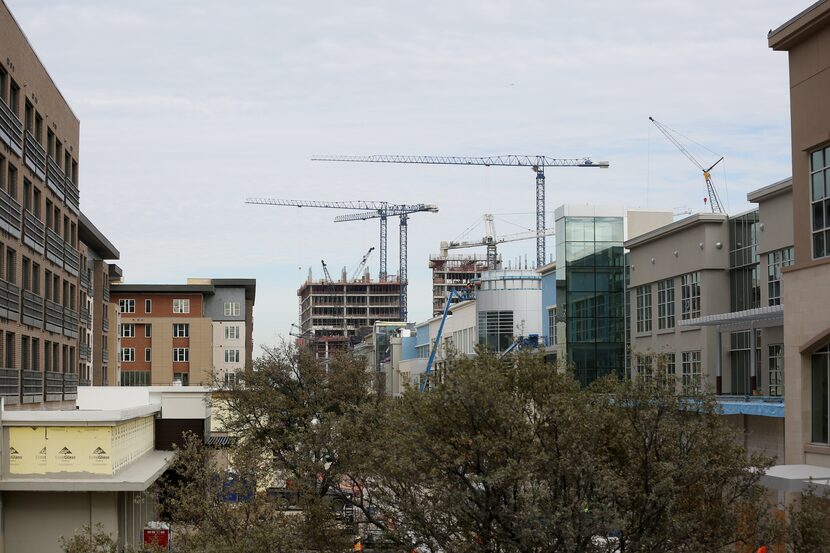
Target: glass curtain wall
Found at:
x=745, y=286
x=591, y=294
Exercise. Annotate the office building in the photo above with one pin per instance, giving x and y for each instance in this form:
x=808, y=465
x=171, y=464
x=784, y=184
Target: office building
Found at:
x=454, y=272
x=189, y=334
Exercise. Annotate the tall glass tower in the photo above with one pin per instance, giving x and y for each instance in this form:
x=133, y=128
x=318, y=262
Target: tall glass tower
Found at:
x=590, y=290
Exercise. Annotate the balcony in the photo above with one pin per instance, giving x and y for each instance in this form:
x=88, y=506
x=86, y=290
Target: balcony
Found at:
x=32, y=386
x=9, y=214
x=11, y=129
x=54, y=386
x=71, y=321
x=32, y=309
x=54, y=317
x=70, y=386
x=105, y=325
x=86, y=280
x=54, y=177
x=73, y=195
x=10, y=386
x=86, y=318
x=34, y=232
x=106, y=293
x=105, y=356
x=35, y=156
x=54, y=247
x=9, y=301
x=84, y=382
x=84, y=353
x=71, y=259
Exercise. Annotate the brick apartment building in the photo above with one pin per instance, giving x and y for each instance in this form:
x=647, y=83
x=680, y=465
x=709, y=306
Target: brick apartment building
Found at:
x=183, y=333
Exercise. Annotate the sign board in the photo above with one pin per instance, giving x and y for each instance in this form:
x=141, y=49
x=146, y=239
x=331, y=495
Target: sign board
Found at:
x=157, y=536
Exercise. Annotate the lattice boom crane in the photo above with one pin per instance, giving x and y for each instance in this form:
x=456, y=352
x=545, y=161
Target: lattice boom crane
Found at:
x=537, y=163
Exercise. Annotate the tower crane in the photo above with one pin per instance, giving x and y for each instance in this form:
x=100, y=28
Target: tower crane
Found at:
x=326, y=276
x=381, y=210
x=491, y=240
x=536, y=163
x=403, y=212
x=711, y=192
x=362, y=264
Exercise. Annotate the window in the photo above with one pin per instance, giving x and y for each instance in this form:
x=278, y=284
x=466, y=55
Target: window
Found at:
x=775, y=261
x=232, y=332
x=495, y=329
x=127, y=330
x=820, y=185
x=11, y=269
x=671, y=369
x=3, y=79
x=644, y=308
x=148, y=355
x=128, y=354
x=231, y=356
x=691, y=377
x=690, y=296
x=126, y=306
x=148, y=331
x=14, y=97
x=184, y=378
x=820, y=391
x=181, y=330
x=135, y=378
x=552, y=326
x=645, y=367
x=665, y=304
x=232, y=309
x=181, y=354
x=148, y=306
x=181, y=306
x=230, y=378
x=776, y=369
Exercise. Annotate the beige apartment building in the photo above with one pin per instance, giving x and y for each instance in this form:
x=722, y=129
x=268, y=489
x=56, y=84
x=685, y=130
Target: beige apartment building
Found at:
x=806, y=293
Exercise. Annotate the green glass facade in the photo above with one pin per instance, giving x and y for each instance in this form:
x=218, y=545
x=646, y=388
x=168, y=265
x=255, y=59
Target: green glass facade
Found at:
x=590, y=294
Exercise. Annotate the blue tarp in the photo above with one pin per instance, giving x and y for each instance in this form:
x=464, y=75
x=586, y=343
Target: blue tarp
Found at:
x=757, y=408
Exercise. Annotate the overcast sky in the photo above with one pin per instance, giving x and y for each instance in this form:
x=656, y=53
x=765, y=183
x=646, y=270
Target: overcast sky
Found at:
x=189, y=107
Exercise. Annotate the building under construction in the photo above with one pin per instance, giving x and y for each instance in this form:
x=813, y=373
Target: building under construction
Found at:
x=454, y=271
x=335, y=314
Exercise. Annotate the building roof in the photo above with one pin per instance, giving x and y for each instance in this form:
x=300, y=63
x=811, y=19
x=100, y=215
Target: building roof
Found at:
x=796, y=478
x=758, y=317
x=676, y=226
x=770, y=190
x=546, y=269
x=89, y=234
x=206, y=289
x=248, y=283
x=800, y=27
x=77, y=417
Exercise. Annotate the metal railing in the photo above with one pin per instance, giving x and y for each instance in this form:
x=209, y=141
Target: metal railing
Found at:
x=84, y=352
x=54, y=317
x=71, y=322
x=86, y=280
x=32, y=386
x=35, y=156
x=54, y=385
x=85, y=317
x=73, y=195
x=71, y=259
x=54, y=177
x=105, y=356
x=54, y=246
x=34, y=232
x=10, y=383
x=9, y=301
x=84, y=382
x=32, y=309
x=106, y=293
x=9, y=214
x=70, y=385
x=11, y=129
x=105, y=324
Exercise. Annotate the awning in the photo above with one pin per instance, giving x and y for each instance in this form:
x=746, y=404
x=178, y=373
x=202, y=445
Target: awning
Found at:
x=760, y=317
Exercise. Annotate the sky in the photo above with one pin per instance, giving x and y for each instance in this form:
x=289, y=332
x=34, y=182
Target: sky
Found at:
x=189, y=107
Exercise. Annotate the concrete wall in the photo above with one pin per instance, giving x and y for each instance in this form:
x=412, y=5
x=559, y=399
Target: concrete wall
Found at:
x=764, y=435
x=215, y=304
x=220, y=344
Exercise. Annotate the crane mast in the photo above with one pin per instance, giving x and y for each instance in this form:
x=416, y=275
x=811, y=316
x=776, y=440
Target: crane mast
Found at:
x=537, y=163
x=711, y=191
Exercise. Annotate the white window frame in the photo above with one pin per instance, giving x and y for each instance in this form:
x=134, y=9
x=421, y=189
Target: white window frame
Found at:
x=776, y=369
x=691, y=371
x=231, y=332
x=665, y=304
x=148, y=355
x=234, y=357
x=183, y=327
x=126, y=305
x=148, y=331
x=232, y=309
x=126, y=330
x=127, y=355
x=148, y=306
x=181, y=355
x=644, y=309
x=181, y=305
x=690, y=302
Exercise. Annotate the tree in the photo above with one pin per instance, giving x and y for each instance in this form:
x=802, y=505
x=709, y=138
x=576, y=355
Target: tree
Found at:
x=97, y=540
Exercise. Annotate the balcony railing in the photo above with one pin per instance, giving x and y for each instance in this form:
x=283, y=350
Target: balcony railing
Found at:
x=10, y=385
x=54, y=177
x=70, y=385
x=105, y=325
x=54, y=386
x=35, y=156
x=54, y=317
x=85, y=382
x=105, y=356
x=54, y=246
x=106, y=293
x=71, y=321
x=32, y=309
x=86, y=318
x=32, y=386
x=73, y=195
x=71, y=259
x=11, y=129
x=84, y=352
x=9, y=214
x=9, y=301
x=86, y=280
x=34, y=232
